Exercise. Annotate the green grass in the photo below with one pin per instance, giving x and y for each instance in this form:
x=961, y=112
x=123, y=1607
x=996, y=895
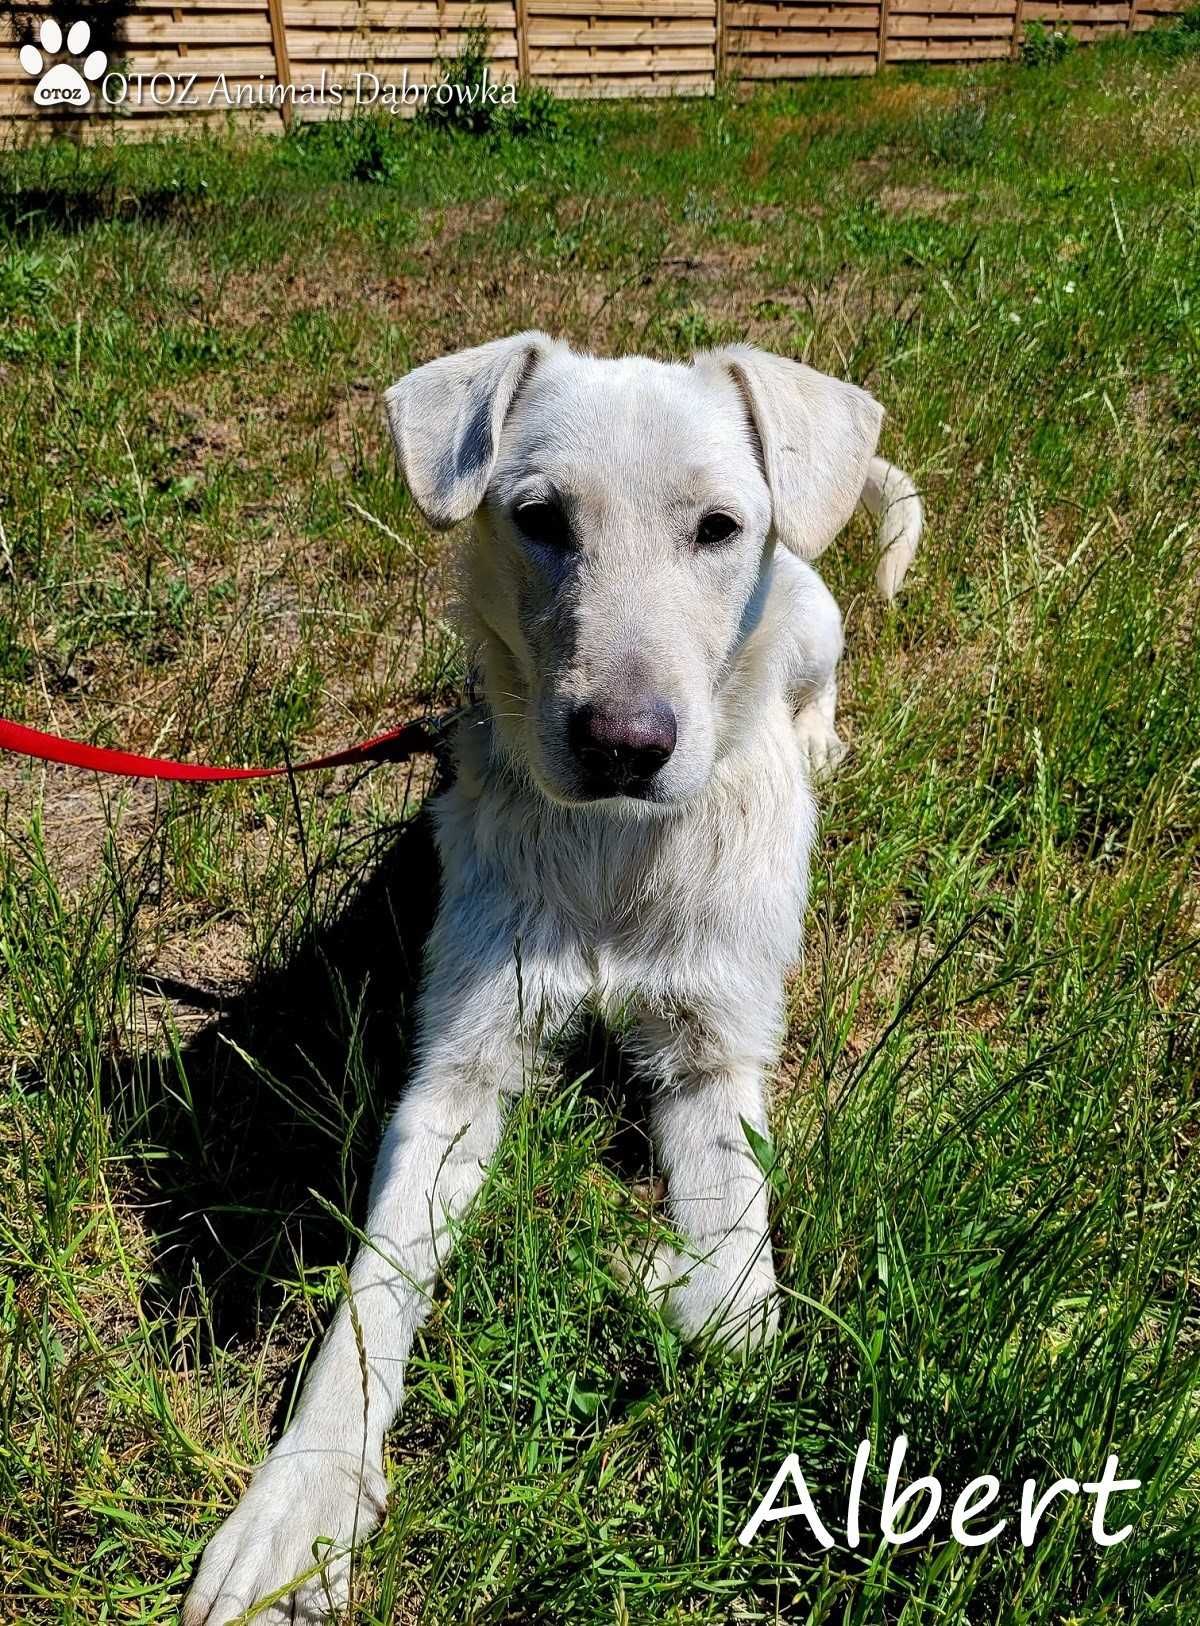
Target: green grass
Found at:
x=988, y=1204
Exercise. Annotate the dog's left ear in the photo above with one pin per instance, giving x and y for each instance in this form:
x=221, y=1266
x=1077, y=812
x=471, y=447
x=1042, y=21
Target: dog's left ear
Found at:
x=446, y=419
x=817, y=437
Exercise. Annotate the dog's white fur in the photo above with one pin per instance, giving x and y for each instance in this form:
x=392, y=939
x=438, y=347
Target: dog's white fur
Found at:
x=681, y=908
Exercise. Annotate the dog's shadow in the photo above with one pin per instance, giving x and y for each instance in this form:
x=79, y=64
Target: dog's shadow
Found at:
x=261, y=1131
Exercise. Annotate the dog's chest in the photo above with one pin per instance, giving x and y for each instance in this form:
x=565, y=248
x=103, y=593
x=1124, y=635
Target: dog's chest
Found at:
x=638, y=898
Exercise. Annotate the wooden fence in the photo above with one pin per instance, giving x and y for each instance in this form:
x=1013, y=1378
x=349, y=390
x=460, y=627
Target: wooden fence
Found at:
x=241, y=55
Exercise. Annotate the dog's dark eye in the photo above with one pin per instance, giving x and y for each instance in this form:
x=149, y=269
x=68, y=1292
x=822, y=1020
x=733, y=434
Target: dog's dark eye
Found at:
x=543, y=522
x=714, y=529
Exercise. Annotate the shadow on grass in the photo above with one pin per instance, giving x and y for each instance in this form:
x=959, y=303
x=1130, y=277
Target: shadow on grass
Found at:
x=91, y=201
x=270, y=1115
x=261, y=1131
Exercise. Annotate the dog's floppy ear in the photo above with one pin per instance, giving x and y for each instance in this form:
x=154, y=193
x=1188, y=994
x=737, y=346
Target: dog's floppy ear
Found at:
x=817, y=437
x=446, y=419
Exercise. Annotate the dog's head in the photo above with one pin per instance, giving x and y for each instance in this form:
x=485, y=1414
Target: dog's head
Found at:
x=625, y=515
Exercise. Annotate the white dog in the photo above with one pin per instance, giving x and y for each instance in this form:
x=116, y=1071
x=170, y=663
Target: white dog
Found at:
x=629, y=831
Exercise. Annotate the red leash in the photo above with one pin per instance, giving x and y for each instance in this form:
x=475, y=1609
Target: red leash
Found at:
x=397, y=745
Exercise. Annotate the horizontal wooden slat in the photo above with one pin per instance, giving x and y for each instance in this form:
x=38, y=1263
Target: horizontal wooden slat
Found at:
x=371, y=14
x=613, y=35
x=1076, y=14
x=238, y=29
x=216, y=6
x=620, y=8
x=588, y=89
x=798, y=66
x=241, y=62
x=969, y=8
x=815, y=42
x=431, y=39
x=347, y=48
x=949, y=27
x=665, y=61
x=784, y=19
x=946, y=50
x=787, y=44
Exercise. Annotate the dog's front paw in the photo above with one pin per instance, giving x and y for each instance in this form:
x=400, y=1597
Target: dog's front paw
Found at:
x=822, y=745
x=737, y=1309
x=284, y=1552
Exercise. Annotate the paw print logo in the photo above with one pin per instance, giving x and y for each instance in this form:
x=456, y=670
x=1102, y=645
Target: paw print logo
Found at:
x=63, y=85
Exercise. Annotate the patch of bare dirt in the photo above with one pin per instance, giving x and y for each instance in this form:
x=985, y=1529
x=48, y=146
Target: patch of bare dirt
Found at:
x=917, y=200
x=722, y=260
x=877, y=164
x=462, y=219
x=197, y=438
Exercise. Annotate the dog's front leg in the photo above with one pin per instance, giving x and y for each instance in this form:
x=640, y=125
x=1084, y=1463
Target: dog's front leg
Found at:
x=322, y=1488
x=723, y=1286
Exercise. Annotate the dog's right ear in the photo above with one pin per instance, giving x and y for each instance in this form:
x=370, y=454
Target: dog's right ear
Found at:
x=816, y=437
x=446, y=419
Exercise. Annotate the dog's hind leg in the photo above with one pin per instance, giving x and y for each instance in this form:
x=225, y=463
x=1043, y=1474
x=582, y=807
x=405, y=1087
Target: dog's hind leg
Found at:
x=322, y=1488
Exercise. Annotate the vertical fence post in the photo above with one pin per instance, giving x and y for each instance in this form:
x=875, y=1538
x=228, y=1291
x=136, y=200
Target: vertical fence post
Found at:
x=881, y=46
x=522, y=8
x=1131, y=19
x=1018, y=19
x=720, y=47
x=283, y=67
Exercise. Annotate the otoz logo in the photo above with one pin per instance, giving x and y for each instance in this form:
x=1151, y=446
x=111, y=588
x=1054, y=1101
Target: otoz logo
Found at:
x=63, y=85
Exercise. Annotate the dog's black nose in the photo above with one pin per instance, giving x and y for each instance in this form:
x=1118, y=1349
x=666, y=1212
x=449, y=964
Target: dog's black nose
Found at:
x=622, y=746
